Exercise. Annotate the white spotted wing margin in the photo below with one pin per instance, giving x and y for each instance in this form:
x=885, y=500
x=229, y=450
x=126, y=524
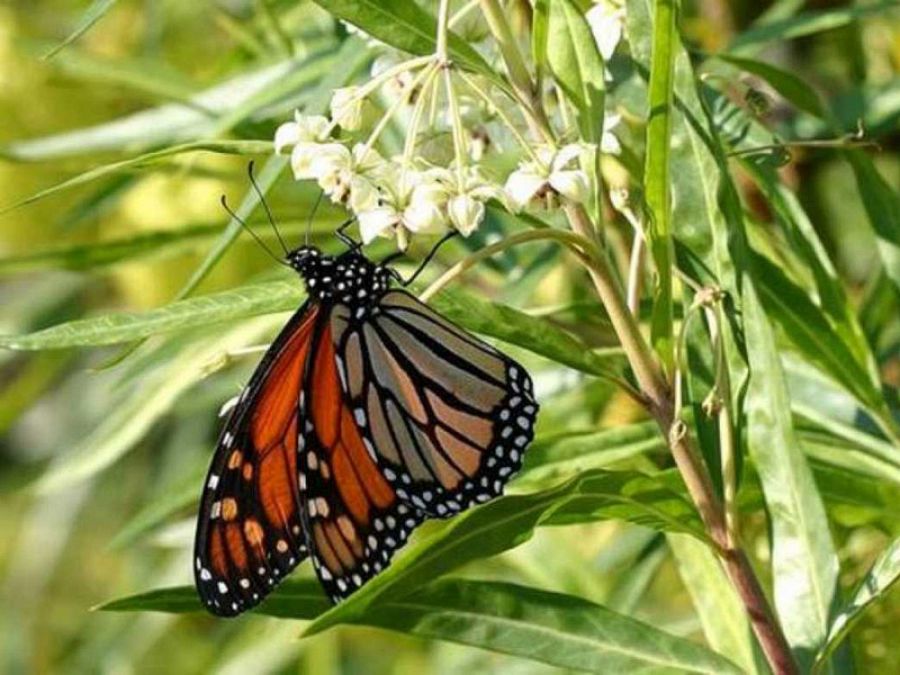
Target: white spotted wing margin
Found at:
x=249, y=531
x=445, y=416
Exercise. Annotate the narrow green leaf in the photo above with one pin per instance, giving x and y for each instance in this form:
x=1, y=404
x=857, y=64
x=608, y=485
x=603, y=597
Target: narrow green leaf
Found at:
x=807, y=23
x=570, y=453
x=144, y=405
x=91, y=16
x=807, y=328
x=706, y=211
x=164, y=125
x=560, y=630
x=157, y=243
x=148, y=160
x=657, y=182
x=793, y=88
x=832, y=297
x=552, y=628
x=721, y=612
x=882, y=204
x=804, y=563
x=480, y=316
x=884, y=573
x=539, y=23
x=517, y=328
x=509, y=521
x=577, y=66
x=243, y=302
x=407, y=26
x=158, y=511
x=293, y=599
x=267, y=178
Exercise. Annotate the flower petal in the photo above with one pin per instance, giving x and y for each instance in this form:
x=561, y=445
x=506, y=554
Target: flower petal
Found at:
x=423, y=217
x=573, y=185
x=522, y=186
x=287, y=134
x=347, y=108
x=302, y=157
x=376, y=222
x=606, y=24
x=466, y=213
x=363, y=194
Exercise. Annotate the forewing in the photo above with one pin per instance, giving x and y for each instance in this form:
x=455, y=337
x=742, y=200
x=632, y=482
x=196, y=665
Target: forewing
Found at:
x=250, y=529
x=355, y=521
x=446, y=416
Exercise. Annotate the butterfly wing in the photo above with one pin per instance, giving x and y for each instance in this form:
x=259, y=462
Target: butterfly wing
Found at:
x=250, y=529
x=445, y=416
x=353, y=516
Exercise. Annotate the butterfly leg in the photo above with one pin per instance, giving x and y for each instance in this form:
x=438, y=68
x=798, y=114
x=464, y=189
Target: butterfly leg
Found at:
x=351, y=243
x=428, y=258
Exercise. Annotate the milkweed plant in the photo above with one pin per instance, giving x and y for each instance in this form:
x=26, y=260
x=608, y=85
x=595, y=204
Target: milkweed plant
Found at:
x=654, y=179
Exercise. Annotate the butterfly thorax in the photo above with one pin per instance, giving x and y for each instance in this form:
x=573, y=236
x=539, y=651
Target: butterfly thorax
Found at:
x=350, y=278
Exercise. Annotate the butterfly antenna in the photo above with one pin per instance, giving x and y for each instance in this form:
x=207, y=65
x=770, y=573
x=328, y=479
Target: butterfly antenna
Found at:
x=265, y=204
x=243, y=224
x=312, y=215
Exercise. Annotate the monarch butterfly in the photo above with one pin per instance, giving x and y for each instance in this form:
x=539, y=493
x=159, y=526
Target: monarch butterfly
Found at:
x=368, y=414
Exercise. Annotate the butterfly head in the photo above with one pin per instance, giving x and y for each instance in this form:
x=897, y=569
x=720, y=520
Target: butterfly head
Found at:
x=304, y=259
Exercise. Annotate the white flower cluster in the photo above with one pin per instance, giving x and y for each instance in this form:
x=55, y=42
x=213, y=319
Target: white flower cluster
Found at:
x=432, y=186
x=391, y=197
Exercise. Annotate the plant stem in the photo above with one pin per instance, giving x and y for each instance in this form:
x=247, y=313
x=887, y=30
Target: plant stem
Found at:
x=659, y=403
x=443, y=19
x=578, y=244
x=518, y=71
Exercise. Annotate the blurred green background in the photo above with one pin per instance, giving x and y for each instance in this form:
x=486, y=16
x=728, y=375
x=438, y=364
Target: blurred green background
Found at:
x=88, y=535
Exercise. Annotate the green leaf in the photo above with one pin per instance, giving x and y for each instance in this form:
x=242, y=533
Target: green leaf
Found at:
x=509, y=521
x=148, y=160
x=293, y=599
x=267, y=178
x=91, y=16
x=804, y=563
x=151, y=398
x=657, y=181
x=807, y=23
x=577, y=66
x=480, y=316
x=560, y=630
x=157, y=243
x=793, y=88
x=882, y=204
x=572, y=452
x=243, y=302
x=721, y=612
x=539, y=22
x=807, y=328
x=407, y=26
x=158, y=511
x=884, y=573
x=517, y=328
x=165, y=125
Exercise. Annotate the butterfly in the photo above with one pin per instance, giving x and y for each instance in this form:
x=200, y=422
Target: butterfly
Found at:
x=368, y=414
